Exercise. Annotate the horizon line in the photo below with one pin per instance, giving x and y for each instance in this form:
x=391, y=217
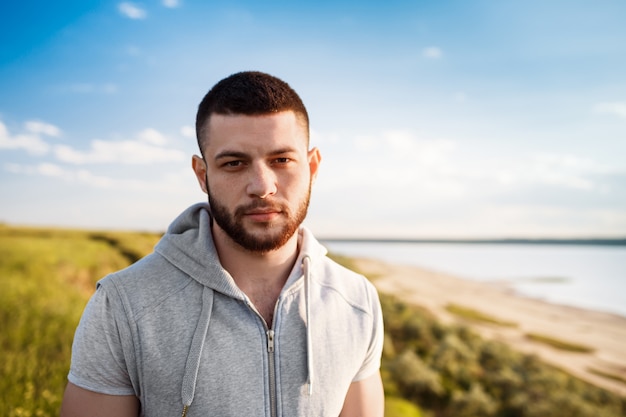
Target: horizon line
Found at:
x=595, y=241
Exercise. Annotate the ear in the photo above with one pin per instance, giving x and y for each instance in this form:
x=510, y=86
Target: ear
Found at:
x=315, y=158
x=199, y=168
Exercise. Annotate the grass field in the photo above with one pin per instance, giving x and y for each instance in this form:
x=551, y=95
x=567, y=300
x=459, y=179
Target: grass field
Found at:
x=475, y=315
x=429, y=370
x=46, y=278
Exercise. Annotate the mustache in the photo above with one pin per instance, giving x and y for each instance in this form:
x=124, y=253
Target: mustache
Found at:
x=260, y=205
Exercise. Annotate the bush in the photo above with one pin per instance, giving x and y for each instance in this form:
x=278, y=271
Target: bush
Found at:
x=399, y=407
x=451, y=371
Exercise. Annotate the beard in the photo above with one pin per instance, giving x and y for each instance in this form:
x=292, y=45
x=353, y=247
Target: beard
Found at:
x=268, y=240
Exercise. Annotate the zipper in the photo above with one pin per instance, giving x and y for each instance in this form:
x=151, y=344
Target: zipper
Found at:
x=270, y=356
x=272, y=371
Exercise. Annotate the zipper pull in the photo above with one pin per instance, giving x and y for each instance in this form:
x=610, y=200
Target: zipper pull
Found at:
x=270, y=341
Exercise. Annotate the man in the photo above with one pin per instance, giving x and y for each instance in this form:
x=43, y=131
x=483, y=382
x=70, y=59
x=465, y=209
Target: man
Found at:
x=238, y=312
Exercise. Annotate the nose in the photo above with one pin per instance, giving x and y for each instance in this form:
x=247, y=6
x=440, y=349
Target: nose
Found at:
x=262, y=182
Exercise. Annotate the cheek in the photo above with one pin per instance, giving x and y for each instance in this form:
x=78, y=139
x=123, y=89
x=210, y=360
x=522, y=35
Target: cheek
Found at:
x=298, y=186
x=222, y=188
x=294, y=179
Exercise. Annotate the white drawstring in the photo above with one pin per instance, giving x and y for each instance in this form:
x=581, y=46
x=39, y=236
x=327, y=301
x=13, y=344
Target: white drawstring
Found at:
x=195, y=351
x=306, y=261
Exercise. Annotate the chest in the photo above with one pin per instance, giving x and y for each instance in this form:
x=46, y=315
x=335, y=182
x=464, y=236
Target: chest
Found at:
x=264, y=302
x=240, y=375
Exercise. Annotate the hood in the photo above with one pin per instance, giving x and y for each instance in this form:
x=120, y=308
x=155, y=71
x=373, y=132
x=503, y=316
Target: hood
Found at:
x=188, y=245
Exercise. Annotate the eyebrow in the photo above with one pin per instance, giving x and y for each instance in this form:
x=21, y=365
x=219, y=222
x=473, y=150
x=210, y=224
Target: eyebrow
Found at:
x=243, y=155
x=231, y=154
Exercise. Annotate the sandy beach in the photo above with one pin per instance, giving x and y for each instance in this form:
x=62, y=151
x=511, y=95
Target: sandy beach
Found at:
x=603, y=332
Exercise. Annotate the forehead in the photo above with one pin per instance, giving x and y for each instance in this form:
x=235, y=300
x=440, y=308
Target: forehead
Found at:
x=237, y=130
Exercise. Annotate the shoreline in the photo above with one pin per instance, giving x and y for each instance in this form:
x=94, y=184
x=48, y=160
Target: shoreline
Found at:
x=603, y=332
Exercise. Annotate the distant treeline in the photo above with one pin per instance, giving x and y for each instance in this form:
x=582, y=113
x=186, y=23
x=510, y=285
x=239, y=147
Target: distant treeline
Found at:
x=429, y=369
x=511, y=241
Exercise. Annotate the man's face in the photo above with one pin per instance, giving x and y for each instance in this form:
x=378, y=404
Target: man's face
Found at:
x=258, y=176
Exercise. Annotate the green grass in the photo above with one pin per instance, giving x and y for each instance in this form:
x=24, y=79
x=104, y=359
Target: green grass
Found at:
x=477, y=316
x=559, y=344
x=46, y=278
x=607, y=375
x=399, y=407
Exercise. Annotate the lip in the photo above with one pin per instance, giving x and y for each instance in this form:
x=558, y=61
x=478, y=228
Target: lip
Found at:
x=262, y=215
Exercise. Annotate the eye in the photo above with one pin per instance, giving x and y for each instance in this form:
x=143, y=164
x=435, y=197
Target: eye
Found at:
x=232, y=164
x=282, y=160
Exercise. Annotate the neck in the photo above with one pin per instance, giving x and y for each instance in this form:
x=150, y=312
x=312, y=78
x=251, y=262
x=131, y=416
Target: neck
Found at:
x=261, y=276
x=250, y=269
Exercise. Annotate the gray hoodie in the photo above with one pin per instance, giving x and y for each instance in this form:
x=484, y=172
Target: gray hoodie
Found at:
x=176, y=331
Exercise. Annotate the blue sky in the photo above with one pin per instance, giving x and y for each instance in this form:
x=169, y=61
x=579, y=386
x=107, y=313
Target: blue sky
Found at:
x=434, y=119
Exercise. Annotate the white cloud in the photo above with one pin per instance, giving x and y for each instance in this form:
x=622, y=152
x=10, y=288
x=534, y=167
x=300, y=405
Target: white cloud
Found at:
x=402, y=142
x=438, y=184
x=329, y=139
x=564, y=171
x=188, y=131
x=45, y=169
x=173, y=181
x=366, y=143
x=412, y=169
x=131, y=10
x=50, y=170
x=396, y=161
x=152, y=136
x=172, y=4
x=86, y=177
x=396, y=145
x=617, y=108
x=43, y=128
x=18, y=168
x=146, y=149
x=31, y=142
x=404, y=145
x=56, y=171
x=432, y=52
x=567, y=171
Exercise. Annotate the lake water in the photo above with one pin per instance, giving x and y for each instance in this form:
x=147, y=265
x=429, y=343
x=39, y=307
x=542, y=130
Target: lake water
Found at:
x=592, y=277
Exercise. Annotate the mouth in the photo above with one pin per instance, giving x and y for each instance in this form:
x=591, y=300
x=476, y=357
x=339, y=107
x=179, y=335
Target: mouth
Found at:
x=263, y=214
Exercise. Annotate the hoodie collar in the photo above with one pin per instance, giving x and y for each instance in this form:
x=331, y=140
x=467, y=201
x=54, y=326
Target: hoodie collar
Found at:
x=188, y=245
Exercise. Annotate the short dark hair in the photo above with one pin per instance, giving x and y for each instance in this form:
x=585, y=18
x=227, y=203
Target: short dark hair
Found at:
x=249, y=93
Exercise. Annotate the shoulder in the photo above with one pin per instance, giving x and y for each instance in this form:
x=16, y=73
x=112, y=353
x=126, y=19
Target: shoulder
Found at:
x=355, y=288
x=144, y=284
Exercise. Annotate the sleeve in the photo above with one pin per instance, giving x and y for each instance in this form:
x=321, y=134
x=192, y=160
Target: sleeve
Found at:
x=371, y=363
x=99, y=351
